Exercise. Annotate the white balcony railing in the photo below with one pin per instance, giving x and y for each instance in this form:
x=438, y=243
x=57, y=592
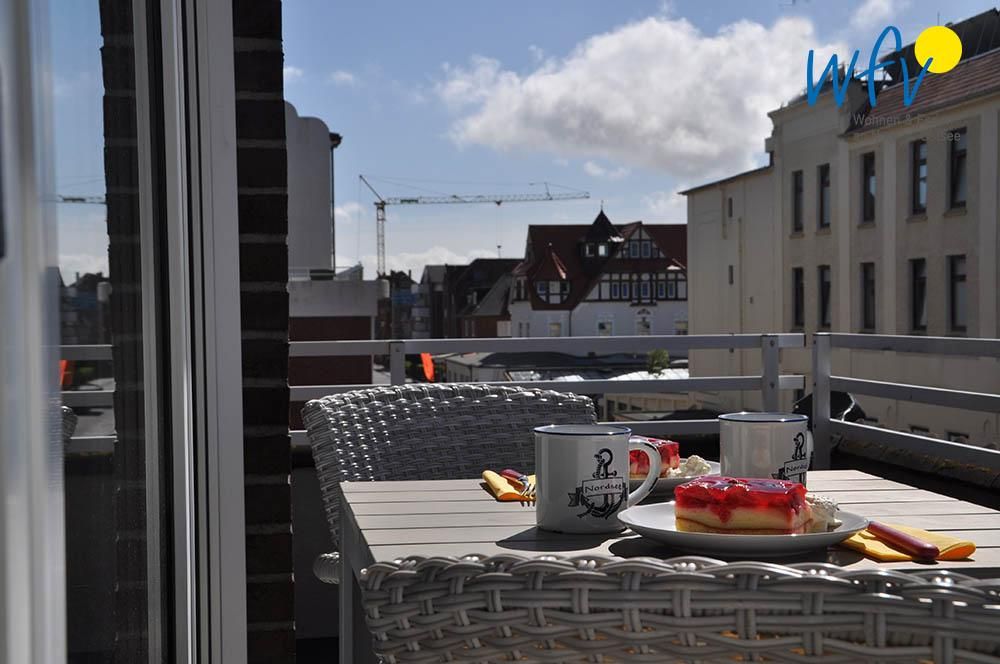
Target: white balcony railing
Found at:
x=824, y=428
x=769, y=383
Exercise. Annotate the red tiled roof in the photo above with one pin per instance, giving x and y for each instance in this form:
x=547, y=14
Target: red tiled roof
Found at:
x=553, y=253
x=976, y=77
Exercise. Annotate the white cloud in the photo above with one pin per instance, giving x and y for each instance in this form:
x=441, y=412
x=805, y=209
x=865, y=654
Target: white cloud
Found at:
x=414, y=262
x=341, y=77
x=292, y=74
x=666, y=206
x=594, y=169
x=348, y=212
x=656, y=93
x=872, y=13
x=70, y=264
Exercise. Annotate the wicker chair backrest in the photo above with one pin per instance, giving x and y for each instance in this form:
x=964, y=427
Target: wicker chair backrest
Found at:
x=429, y=431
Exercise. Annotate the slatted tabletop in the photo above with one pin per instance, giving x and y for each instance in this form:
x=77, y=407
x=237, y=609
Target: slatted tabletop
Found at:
x=383, y=521
x=391, y=520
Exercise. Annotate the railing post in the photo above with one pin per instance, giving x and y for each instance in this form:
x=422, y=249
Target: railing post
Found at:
x=397, y=363
x=821, y=401
x=770, y=370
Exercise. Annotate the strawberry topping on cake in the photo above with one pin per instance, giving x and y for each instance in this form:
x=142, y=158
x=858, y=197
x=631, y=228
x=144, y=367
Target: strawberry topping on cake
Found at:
x=638, y=462
x=733, y=505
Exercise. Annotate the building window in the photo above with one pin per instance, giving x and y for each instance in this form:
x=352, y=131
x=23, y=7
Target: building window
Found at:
x=730, y=275
x=958, y=148
x=918, y=294
x=956, y=437
x=823, y=273
x=643, y=327
x=824, y=196
x=602, y=250
x=798, y=298
x=588, y=249
x=519, y=290
x=555, y=329
x=542, y=288
x=605, y=328
x=729, y=207
x=920, y=431
x=868, y=296
x=615, y=290
x=633, y=249
x=918, y=175
x=647, y=249
x=621, y=405
x=626, y=290
x=661, y=290
x=797, y=194
x=644, y=292
x=868, y=187
x=958, y=299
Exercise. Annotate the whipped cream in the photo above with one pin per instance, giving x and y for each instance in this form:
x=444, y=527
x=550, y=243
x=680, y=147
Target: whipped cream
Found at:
x=693, y=466
x=824, y=513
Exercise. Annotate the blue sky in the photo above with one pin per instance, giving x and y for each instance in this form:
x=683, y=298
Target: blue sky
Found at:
x=630, y=101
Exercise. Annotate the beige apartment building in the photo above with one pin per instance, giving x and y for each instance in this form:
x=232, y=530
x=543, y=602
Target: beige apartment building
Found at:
x=867, y=220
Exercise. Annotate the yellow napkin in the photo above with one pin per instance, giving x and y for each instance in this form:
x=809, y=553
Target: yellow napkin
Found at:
x=951, y=548
x=502, y=488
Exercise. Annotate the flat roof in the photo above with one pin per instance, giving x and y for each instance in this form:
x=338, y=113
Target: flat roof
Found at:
x=731, y=178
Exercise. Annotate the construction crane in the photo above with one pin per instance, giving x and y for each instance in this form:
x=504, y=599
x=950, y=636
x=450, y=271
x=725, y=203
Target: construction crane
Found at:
x=496, y=199
x=87, y=200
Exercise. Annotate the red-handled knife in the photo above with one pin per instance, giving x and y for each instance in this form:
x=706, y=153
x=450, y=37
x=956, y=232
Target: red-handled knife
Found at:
x=904, y=542
x=512, y=474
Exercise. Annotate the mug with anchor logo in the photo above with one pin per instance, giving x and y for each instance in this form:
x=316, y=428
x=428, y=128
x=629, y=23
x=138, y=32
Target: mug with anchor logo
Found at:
x=769, y=445
x=582, y=475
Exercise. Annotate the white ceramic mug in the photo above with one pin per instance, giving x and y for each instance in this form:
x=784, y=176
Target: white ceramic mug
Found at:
x=582, y=476
x=770, y=445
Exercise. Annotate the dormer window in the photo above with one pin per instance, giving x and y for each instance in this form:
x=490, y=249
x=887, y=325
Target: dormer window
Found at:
x=602, y=250
x=633, y=249
x=588, y=249
x=542, y=288
x=647, y=249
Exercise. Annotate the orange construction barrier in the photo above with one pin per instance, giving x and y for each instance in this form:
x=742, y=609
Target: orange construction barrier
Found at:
x=428, y=362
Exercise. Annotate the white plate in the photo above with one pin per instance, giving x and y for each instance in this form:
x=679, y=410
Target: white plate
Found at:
x=666, y=485
x=657, y=522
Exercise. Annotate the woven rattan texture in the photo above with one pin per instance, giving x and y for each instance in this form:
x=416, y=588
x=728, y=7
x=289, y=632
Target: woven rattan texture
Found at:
x=68, y=423
x=429, y=432
x=516, y=609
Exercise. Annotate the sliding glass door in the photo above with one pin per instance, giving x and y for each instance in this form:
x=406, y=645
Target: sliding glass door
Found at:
x=121, y=532
x=112, y=314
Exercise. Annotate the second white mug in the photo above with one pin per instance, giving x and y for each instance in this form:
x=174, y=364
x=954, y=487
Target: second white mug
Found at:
x=770, y=445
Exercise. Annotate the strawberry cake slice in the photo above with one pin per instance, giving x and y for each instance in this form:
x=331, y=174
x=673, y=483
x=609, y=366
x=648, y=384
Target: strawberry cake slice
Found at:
x=729, y=505
x=638, y=462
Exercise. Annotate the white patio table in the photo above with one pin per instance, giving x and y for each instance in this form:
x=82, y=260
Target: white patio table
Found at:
x=385, y=521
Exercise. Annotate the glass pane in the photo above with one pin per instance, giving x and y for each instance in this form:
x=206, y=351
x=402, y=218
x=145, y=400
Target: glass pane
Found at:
x=104, y=380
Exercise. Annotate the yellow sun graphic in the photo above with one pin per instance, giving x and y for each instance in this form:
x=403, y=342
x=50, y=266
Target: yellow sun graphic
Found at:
x=941, y=44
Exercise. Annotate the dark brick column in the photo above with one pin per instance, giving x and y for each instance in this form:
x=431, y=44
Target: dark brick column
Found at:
x=121, y=167
x=262, y=179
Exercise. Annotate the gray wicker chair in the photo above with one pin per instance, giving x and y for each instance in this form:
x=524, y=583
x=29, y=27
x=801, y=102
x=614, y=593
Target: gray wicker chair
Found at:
x=426, y=431
x=603, y=609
